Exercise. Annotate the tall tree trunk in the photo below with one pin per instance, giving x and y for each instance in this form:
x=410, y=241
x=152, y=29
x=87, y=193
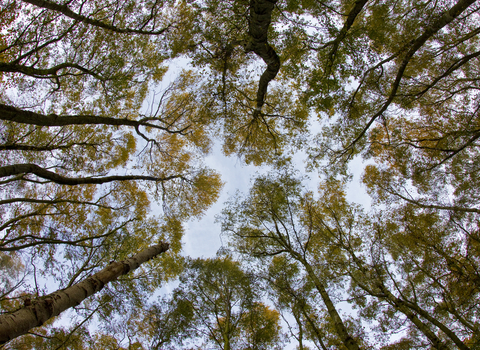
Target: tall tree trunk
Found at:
x=260, y=18
x=34, y=315
x=349, y=342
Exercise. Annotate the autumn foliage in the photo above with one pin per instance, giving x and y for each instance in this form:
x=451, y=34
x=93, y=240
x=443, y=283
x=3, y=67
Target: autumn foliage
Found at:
x=103, y=151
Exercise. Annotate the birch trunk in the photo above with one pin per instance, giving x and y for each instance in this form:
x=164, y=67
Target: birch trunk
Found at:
x=34, y=315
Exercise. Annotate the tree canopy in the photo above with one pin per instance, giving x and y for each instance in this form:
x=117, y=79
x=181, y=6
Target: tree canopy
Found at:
x=103, y=152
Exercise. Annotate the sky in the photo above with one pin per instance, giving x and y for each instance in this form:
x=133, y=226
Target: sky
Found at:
x=203, y=237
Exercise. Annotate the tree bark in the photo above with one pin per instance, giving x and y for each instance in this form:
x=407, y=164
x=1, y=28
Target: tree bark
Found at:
x=63, y=9
x=17, y=115
x=349, y=342
x=10, y=113
x=17, y=169
x=42, y=148
x=34, y=315
x=260, y=18
x=44, y=72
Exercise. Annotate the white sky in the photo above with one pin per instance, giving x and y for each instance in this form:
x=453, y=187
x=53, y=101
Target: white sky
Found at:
x=202, y=237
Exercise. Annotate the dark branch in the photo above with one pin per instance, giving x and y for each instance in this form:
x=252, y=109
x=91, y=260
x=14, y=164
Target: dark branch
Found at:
x=446, y=18
x=78, y=17
x=357, y=8
x=47, y=73
x=17, y=115
x=11, y=170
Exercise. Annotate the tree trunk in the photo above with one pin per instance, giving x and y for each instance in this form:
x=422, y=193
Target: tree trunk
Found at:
x=34, y=315
x=349, y=342
x=260, y=17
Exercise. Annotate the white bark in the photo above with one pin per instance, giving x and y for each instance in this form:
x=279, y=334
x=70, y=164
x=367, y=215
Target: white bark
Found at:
x=34, y=315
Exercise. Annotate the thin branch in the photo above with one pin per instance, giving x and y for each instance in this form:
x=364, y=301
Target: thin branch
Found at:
x=446, y=18
x=63, y=9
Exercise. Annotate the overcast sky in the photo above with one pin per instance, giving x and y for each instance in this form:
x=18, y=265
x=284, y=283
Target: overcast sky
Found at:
x=202, y=237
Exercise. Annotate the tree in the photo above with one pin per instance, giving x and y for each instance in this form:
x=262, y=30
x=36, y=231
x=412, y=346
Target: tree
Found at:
x=86, y=156
x=216, y=303
x=400, y=268
x=295, y=294
x=265, y=224
x=422, y=275
x=82, y=160
x=411, y=111
x=36, y=312
x=400, y=64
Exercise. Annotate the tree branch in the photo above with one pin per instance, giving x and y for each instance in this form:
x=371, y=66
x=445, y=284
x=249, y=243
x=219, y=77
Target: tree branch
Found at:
x=17, y=169
x=446, y=18
x=357, y=8
x=17, y=115
x=78, y=17
x=48, y=73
